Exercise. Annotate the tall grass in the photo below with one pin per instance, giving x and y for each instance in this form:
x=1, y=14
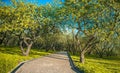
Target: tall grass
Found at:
x=10, y=57
x=98, y=65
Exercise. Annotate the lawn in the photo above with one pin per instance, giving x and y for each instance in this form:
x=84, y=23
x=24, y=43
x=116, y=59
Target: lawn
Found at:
x=98, y=65
x=11, y=57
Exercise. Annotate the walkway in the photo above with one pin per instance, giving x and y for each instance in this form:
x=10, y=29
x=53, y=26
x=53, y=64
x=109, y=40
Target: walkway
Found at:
x=54, y=63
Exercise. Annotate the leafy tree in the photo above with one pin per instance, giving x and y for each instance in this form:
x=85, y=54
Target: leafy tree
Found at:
x=85, y=16
x=20, y=21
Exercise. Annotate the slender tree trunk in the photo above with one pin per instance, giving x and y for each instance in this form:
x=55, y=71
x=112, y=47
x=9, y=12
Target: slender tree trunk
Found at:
x=82, y=58
x=21, y=47
x=47, y=48
x=28, y=48
x=6, y=42
x=3, y=37
x=1, y=41
x=90, y=52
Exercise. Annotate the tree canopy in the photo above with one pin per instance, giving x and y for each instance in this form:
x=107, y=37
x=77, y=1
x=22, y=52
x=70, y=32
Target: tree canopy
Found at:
x=79, y=26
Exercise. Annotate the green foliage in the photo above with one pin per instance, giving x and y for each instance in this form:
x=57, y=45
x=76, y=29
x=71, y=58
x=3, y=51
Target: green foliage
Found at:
x=11, y=57
x=98, y=65
x=45, y=25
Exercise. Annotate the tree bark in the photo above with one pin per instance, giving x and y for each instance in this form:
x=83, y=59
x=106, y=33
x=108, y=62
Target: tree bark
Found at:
x=82, y=57
x=29, y=45
x=21, y=47
x=86, y=48
x=28, y=48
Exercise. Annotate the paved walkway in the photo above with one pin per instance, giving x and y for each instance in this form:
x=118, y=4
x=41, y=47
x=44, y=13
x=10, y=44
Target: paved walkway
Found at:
x=54, y=63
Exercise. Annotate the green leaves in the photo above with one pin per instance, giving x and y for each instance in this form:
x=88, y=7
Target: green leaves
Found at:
x=87, y=16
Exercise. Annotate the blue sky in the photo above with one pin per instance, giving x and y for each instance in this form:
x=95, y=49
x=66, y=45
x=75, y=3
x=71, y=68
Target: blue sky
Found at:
x=39, y=2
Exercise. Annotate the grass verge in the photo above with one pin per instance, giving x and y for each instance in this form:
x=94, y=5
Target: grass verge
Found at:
x=98, y=65
x=11, y=57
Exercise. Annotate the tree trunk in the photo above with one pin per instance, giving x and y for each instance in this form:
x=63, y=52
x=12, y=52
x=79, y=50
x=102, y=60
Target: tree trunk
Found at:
x=3, y=37
x=28, y=48
x=21, y=47
x=1, y=41
x=90, y=52
x=82, y=59
x=26, y=53
x=47, y=48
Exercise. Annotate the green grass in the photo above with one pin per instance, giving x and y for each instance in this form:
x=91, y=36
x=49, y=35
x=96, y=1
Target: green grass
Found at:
x=11, y=57
x=98, y=65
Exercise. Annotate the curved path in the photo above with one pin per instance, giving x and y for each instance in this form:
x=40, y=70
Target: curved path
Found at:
x=54, y=63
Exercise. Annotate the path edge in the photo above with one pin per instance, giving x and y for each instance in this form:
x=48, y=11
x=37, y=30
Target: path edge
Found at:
x=17, y=67
x=13, y=70
x=73, y=65
x=70, y=60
